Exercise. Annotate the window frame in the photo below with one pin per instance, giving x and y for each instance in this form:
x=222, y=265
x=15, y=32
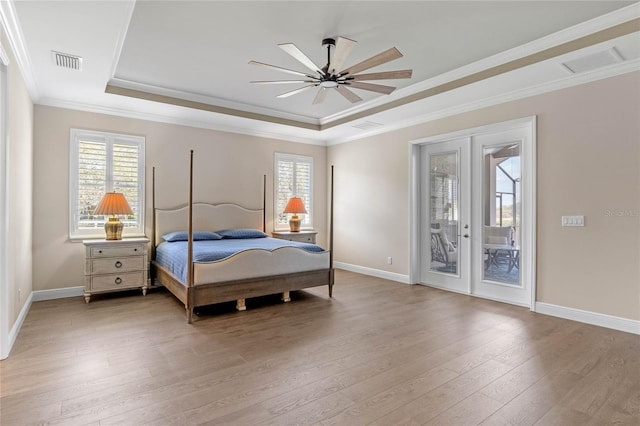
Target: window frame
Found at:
x=76, y=135
x=296, y=158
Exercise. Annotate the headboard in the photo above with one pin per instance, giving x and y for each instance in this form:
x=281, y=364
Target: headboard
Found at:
x=207, y=217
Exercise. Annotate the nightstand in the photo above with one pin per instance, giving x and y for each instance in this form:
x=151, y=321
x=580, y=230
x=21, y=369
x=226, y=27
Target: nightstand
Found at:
x=115, y=265
x=301, y=237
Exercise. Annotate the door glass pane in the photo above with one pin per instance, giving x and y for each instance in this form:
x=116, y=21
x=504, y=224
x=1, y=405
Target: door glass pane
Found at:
x=502, y=224
x=444, y=212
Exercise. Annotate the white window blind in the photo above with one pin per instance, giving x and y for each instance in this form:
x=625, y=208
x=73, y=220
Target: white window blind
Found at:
x=100, y=163
x=293, y=178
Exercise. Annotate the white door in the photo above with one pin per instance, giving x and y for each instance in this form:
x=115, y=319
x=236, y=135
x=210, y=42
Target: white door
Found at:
x=473, y=212
x=500, y=203
x=445, y=207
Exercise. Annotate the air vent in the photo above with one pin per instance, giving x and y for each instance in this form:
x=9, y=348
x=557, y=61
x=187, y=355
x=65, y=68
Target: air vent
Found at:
x=366, y=125
x=65, y=60
x=593, y=61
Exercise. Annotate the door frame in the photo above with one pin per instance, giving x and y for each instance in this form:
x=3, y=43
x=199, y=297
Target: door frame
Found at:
x=529, y=173
x=5, y=344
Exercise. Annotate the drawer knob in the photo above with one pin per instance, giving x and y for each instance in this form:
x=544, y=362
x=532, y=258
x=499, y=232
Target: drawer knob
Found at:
x=99, y=251
x=118, y=264
x=118, y=280
x=135, y=249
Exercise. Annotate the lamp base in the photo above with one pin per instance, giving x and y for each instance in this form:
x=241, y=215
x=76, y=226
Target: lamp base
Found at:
x=113, y=228
x=294, y=224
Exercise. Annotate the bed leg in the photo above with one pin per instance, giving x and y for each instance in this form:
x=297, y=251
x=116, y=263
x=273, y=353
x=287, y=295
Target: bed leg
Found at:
x=240, y=305
x=286, y=297
x=189, y=315
x=332, y=279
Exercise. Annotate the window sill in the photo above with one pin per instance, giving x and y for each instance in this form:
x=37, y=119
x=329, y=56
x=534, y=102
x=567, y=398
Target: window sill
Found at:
x=81, y=238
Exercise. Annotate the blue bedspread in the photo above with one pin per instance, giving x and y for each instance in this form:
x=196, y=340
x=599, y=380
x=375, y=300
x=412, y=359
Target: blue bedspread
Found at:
x=173, y=256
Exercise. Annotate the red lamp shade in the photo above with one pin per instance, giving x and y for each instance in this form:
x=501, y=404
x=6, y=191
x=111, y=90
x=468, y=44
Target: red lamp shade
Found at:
x=295, y=205
x=113, y=203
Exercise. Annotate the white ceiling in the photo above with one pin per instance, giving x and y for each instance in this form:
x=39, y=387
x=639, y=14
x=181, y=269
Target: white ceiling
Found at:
x=199, y=51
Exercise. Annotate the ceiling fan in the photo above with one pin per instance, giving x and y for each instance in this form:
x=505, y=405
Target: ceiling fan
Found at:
x=332, y=76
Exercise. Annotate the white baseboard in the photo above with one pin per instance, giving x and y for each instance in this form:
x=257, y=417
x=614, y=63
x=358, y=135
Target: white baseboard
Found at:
x=594, y=318
x=13, y=334
x=58, y=293
x=392, y=276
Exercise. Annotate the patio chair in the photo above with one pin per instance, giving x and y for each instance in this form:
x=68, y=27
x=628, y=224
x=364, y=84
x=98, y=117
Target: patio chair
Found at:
x=442, y=250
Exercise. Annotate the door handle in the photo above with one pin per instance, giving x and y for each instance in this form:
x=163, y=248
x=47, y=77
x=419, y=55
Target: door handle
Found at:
x=466, y=235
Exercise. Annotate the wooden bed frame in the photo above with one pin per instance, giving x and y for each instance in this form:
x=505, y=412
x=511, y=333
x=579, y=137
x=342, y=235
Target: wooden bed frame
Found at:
x=192, y=295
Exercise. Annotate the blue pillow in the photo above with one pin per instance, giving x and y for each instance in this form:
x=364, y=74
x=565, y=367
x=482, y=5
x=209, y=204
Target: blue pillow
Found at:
x=241, y=233
x=197, y=236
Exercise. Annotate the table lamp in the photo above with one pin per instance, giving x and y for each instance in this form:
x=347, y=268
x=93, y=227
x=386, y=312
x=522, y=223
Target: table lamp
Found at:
x=113, y=203
x=295, y=206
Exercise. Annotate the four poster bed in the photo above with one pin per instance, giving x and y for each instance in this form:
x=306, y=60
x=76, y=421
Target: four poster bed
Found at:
x=202, y=267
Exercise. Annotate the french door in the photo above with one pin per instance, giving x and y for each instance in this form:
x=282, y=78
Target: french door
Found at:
x=474, y=213
x=445, y=214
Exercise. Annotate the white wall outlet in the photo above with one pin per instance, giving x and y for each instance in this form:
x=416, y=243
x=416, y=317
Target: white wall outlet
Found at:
x=389, y=260
x=572, y=220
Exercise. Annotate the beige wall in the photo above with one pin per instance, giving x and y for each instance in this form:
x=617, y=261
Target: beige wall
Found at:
x=227, y=168
x=588, y=164
x=18, y=186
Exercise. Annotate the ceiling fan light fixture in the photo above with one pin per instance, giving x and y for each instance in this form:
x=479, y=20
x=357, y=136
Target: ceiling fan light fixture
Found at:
x=329, y=84
x=333, y=76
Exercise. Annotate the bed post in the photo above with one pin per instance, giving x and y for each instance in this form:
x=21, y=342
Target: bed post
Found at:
x=190, y=292
x=264, y=203
x=153, y=217
x=331, y=272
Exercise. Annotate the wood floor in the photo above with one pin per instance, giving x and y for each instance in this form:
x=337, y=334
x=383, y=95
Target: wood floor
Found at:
x=378, y=353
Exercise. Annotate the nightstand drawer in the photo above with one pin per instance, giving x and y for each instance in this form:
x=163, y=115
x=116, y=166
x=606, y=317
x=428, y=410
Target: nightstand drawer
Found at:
x=117, y=265
x=116, y=281
x=117, y=251
x=305, y=236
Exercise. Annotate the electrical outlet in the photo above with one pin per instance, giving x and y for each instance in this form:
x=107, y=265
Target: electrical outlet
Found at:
x=389, y=260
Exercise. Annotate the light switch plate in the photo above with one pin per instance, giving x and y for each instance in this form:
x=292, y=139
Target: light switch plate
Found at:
x=572, y=220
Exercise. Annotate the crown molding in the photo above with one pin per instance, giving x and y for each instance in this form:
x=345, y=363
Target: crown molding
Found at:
x=566, y=82
x=584, y=29
x=205, y=102
x=540, y=89
x=121, y=37
x=172, y=119
x=14, y=33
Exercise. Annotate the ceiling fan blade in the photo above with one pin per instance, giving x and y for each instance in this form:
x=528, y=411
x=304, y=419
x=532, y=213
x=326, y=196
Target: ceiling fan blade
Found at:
x=379, y=59
x=282, y=81
x=351, y=97
x=344, y=46
x=388, y=75
x=292, y=50
x=294, y=92
x=322, y=93
x=379, y=88
x=280, y=69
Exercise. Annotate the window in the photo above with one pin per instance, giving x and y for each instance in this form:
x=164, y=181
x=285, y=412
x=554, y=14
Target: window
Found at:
x=100, y=163
x=293, y=178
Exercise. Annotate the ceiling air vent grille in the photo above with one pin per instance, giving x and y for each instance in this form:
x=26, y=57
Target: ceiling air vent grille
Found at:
x=593, y=61
x=65, y=60
x=366, y=125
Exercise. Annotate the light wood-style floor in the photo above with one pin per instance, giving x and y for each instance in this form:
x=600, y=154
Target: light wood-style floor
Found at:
x=379, y=353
